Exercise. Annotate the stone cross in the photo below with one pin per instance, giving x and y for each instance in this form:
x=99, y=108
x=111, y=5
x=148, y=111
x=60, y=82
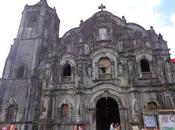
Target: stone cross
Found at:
x=101, y=7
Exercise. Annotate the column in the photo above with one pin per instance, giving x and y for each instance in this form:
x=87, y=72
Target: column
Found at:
x=124, y=118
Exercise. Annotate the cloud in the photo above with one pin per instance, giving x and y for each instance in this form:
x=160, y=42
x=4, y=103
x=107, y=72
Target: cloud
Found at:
x=169, y=31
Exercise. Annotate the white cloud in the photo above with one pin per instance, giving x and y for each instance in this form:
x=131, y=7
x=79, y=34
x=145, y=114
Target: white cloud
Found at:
x=169, y=31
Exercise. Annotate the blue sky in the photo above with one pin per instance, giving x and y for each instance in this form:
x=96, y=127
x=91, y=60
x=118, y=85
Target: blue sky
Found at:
x=157, y=13
x=166, y=8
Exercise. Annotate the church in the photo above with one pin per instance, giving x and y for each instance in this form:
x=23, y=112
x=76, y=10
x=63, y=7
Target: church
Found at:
x=104, y=71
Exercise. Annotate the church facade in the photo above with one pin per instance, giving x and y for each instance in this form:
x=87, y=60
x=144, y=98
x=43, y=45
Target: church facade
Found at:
x=106, y=70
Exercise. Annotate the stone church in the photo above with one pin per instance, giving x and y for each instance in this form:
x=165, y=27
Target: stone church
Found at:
x=105, y=70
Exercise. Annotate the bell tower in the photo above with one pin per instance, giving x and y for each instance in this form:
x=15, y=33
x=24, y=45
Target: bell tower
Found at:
x=39, y=27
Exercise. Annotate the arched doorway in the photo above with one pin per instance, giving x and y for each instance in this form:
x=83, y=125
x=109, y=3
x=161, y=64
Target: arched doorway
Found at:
x=106, y=112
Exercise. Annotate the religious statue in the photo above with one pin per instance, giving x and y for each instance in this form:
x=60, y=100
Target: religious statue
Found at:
x=89, y=70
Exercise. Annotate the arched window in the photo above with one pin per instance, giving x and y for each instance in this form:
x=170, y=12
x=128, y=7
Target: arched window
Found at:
x=64, y=111
x=67, y=73
x=152, y=106
x=20, y=72
x=104, y=68
x=145, y=65
x=11, y=113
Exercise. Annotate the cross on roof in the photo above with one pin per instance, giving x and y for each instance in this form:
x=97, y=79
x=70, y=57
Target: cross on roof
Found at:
x=101, y=7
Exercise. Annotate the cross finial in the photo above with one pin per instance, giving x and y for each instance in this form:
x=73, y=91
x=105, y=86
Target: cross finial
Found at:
x=101, y=7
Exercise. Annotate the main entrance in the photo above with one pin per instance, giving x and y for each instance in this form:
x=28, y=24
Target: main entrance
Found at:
x=106, y=112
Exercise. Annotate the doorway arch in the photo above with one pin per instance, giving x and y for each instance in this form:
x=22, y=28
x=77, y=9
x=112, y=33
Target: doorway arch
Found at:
x=107, y=111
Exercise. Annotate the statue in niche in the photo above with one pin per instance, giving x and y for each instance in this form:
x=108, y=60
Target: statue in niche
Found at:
x=130, y=68
x=80, y=74
x=89, y=70
x=45, y=106
x=120, y=46
x=47, y=72
x=80, y=69
x=121, y=69
x=122, y=73
x=103, y=34
x=48, y=75
x=86, y=46
x=136, y=108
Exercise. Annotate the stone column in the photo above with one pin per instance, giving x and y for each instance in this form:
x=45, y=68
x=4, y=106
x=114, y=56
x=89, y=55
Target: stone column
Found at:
x=96, y=71
x=168, y=72
x=135, y=107
x=139, y=69
x=113, y=70
x=124, y=118
x=92, y=119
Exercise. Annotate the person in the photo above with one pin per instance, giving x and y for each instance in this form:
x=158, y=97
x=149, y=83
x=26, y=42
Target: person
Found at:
x=78, y=127
x=117, y=126
x=112, y=126
x=13, y=127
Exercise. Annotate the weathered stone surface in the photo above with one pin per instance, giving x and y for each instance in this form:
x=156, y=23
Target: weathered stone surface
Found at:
x=55, y=82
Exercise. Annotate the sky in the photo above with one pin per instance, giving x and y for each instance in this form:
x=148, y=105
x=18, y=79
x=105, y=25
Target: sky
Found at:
x=157, y=13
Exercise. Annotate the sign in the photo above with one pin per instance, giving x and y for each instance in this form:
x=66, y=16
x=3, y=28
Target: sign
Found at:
x=4, y=128
x=167, y=121
x=150, y=121
x=135, y=127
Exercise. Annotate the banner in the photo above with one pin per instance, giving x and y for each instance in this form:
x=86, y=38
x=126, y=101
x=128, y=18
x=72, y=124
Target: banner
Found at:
x=150, y=121
x=135, y=127
x=167, y=121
